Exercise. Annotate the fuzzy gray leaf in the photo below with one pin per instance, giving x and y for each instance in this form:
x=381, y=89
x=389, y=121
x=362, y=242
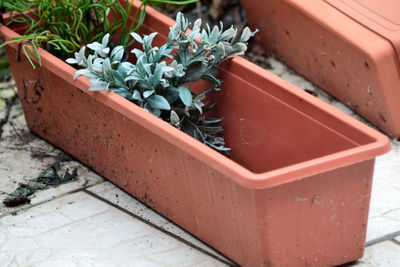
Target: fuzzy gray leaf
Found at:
x=158, y=102
x=97, y=65
x=239, y=48
x=134, y=76
x=98, y=85
x=148, y=39
x=136, y=95
x=104, y=41
x=107, y=70
x=146, y=94
x=246, y=34
x=197, y=25
x=125, y=68
x=79, y=58
x=138, y=53
x=117, y=53
x=95, y=46
x=71, y=61
x=185, y=95
x=211, y=79
x=156, y=112
x=104, y=52
x=194, y=72
x=137, y=37
x=179, y=71
x=123, y=92
x=175, y=120
x=181, y=21
x=171, y=94
x=158, y=73
x=84, y=72
x=228, y=34
x=118, y=78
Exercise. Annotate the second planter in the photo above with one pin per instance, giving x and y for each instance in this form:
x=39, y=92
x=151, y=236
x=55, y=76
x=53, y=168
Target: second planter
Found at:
x=348, y=48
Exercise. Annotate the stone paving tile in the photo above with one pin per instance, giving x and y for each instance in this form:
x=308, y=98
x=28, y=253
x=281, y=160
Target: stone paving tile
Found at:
x=384, y=254
x=384, y=213
x=80, y=230
x=381, y=226
x=384, y=196
x=23, y=156
x=115, y=195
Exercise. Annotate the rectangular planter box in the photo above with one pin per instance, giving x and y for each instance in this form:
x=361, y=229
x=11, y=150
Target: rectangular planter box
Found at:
x=295, y=191
x=349, y=48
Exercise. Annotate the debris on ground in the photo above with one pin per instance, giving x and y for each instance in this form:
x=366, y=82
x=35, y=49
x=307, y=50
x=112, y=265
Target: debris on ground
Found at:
x=49, y=177
x=311, y=92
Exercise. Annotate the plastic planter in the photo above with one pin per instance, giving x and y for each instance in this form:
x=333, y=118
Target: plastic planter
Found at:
x=349, y=48
x=295, y=191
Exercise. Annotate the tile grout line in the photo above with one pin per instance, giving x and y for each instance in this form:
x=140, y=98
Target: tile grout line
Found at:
x=395, y=241
x=159, y=228
x=389, y=237
x=184, y=240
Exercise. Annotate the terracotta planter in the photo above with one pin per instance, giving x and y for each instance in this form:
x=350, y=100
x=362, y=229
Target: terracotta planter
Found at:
x=349, y=48
x=295, y=191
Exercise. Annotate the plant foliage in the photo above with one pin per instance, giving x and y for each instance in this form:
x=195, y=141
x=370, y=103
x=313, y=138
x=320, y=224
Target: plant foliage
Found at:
x=64, y=26
x=160, y=80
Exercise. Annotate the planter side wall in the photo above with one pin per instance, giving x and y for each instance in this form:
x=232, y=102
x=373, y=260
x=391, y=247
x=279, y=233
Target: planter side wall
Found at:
x=319, y=220
x=346, y=59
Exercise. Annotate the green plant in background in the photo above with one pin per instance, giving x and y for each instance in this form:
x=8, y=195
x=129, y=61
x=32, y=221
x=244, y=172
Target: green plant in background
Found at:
x=4, y=65
x=64, y=26
x=160, y=80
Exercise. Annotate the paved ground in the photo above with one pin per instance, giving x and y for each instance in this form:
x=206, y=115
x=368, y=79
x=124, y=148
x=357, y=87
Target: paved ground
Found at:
x=90, y=222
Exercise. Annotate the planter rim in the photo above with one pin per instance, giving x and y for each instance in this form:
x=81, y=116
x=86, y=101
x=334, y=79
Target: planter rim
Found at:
x=238, y=173
x=373, y=17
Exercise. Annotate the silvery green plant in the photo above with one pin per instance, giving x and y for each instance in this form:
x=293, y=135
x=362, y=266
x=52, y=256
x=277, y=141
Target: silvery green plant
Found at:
x=160, y=80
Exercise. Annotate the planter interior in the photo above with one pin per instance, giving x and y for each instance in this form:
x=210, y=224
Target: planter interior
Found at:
x=295, y=190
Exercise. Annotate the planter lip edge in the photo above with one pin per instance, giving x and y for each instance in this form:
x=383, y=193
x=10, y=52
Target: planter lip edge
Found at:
x=322, y=164
x=239, y=174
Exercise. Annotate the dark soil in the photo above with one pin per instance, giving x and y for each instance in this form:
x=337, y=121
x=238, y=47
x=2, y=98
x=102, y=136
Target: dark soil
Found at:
x=51, y=176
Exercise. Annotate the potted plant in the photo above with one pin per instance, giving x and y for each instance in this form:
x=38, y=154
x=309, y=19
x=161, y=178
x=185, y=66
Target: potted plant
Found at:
x=161, y=79
x=348, y=48
x=294, y=190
